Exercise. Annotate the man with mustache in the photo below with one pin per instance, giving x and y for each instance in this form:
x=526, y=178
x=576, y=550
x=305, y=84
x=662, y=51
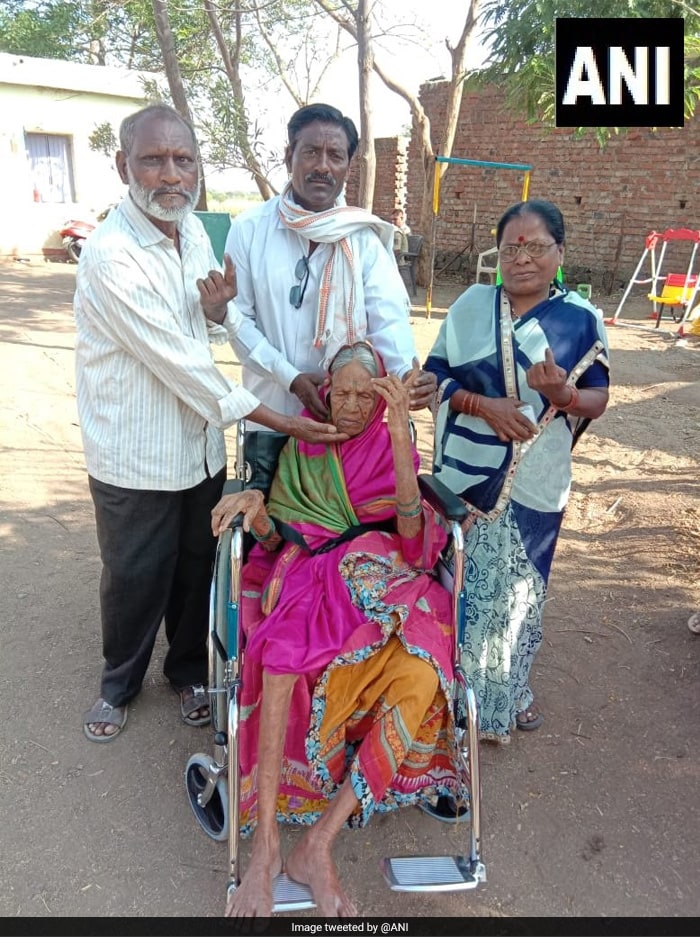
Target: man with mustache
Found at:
x=314, y=274
x=152, y=408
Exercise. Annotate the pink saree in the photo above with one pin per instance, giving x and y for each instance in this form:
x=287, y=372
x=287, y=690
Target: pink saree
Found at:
x=366, y=627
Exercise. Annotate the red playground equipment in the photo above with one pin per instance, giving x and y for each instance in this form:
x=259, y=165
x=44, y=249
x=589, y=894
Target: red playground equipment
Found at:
x=675, y=291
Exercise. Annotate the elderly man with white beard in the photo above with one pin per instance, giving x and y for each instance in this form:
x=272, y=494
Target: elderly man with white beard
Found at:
x=152, y=409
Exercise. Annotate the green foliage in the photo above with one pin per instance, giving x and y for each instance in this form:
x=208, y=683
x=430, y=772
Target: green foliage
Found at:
x=521, y=35
x=692, y=74
x=521, y=30
x=103, y=32
x=103, y=139
x=43, y=29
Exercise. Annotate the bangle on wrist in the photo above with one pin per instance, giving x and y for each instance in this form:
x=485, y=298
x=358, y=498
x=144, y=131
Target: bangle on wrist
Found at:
x=573, y=402
x=410, y=508
x=269, y=533
x=414, y=512
x=470, y=403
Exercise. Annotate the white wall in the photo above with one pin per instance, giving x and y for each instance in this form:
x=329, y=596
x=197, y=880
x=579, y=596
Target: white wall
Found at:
x=26, y=227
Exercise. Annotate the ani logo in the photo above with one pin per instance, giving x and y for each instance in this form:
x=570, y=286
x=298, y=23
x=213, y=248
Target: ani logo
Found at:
x=619, y=72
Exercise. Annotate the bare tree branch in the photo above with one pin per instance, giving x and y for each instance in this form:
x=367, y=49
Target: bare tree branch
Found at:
x=279, y=64
x=365, y=58
x=420, y=120
x=231, y=62
x=458, y=55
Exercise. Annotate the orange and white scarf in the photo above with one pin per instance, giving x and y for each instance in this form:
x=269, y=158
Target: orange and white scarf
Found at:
x=338, y=320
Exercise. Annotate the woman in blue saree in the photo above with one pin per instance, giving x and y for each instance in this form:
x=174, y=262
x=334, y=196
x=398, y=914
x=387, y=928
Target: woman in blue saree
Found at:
x=520, y=368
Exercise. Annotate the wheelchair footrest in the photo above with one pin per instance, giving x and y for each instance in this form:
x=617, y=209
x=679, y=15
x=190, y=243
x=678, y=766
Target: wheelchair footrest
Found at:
x=432, y=873
x=288, y=895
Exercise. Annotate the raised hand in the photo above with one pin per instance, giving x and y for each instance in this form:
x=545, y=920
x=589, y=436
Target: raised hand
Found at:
x=305, y=386
x=216, y=290
x=549, y=379
x=396, y=393
x=422, y=385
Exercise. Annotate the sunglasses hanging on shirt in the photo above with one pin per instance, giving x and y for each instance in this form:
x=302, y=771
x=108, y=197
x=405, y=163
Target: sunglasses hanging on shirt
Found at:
x=301, y=272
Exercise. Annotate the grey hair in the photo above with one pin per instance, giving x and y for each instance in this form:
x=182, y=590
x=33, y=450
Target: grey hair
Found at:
x=127, y=128
x=361, y=352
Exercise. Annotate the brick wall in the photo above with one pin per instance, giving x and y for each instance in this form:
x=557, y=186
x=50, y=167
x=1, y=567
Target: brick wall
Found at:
x=610, y=198
x=391, y=154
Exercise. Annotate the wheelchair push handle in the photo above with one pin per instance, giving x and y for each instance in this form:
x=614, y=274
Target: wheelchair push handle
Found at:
x=439, y=496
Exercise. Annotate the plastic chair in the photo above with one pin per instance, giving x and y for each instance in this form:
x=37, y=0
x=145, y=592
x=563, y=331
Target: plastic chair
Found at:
x=678, y=292
x=484, y=268
x=407, y=269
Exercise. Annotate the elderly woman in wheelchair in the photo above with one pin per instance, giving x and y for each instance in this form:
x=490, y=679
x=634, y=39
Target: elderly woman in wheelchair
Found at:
x=349, y=652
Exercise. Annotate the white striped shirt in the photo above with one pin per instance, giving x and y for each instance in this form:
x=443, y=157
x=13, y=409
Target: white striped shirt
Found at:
x=152, y=403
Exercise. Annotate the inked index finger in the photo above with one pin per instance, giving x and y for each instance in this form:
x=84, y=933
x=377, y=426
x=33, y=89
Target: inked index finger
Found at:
x=229, y=270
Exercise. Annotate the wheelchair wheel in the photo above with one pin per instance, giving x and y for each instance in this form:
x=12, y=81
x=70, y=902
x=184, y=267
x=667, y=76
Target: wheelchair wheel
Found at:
x=212, y=816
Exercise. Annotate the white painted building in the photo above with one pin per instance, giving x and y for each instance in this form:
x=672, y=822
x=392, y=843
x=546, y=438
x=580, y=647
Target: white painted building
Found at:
x=49, y=111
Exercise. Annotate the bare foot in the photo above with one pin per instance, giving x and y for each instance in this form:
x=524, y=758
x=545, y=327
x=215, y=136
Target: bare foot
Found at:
x=311, y=863
x=253, y=897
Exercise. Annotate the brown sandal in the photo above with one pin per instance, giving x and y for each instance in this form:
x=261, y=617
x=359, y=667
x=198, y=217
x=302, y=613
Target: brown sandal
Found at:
x=528, y=721
x=194, y=699
x=104, y=712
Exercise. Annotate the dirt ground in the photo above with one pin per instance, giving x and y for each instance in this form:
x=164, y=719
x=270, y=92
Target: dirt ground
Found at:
x=596, y=814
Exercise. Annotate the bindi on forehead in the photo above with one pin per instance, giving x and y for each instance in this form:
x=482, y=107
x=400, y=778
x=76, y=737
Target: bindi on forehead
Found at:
x=525, y=228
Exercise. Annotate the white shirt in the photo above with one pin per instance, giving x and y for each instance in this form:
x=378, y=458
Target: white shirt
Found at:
x=275, y=342
x=151, y=401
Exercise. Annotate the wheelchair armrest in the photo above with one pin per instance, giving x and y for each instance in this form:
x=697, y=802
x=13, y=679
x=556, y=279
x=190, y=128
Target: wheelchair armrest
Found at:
x=442, y=499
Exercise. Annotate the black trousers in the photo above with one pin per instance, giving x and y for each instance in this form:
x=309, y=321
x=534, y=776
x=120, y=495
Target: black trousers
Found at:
x=157, y=552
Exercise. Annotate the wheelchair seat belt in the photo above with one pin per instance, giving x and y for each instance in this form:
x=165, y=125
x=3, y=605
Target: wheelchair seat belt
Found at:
x=288, y=533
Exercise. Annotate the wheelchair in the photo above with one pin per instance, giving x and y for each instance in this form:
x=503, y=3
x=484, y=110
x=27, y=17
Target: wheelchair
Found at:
x=212, y=781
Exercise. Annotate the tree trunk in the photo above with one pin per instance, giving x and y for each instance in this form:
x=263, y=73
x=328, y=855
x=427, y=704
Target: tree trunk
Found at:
x=445, y=143
x=231, y=66
x=166, y=41
x=421, y=122
x=365, y=154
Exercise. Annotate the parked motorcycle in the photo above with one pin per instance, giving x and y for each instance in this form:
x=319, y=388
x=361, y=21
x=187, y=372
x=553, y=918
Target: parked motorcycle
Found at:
x=75, y=232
